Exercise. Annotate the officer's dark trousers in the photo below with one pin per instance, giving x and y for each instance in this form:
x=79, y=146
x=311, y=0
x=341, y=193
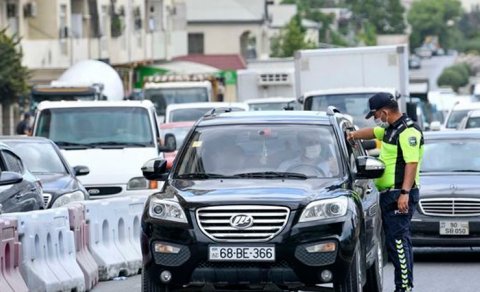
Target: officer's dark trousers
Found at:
x=397, y=236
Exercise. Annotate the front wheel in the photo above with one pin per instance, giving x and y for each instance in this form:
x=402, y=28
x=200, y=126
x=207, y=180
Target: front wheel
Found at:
x=352, y=282
x=375, y=272
x=148, y=285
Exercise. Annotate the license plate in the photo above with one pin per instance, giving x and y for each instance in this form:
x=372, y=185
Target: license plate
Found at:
x=454, y=228
x=241, y=253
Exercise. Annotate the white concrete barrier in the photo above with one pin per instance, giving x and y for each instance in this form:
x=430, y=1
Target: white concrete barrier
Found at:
x=48, y=251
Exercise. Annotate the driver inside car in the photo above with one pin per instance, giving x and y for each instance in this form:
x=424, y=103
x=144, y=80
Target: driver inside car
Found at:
x=315, y=159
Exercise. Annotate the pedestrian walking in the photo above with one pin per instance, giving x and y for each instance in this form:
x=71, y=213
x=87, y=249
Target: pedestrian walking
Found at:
x=401, y=151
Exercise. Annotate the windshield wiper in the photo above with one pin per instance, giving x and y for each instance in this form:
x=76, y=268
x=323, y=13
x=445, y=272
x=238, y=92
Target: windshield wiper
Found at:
x=272, y=174
x=203, y=175
x=464, y=170
x=70, y=144
x=112, y=143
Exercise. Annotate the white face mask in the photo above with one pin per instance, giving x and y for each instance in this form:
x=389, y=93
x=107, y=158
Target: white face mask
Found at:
x=313, y=151
x=381, y=123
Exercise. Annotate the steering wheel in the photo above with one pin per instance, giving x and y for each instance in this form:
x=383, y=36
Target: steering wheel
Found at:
x=307, y=169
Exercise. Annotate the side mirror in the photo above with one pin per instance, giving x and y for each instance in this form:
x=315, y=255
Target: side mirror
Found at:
x=300, y=99
x=170, y=144
x=80, y=170
x=10, y=178
x=369, y=167
x=155, y=169
x=412, y=111
x=435, y=126
x=369, y=144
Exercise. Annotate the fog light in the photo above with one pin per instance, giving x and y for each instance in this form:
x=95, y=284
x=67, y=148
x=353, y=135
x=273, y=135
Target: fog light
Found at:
x=165, y=276
x=326, y=276
x=165, y=248
x=322, y=247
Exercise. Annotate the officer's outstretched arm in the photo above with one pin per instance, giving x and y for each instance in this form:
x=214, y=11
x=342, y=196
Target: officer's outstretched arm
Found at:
x=362, y=134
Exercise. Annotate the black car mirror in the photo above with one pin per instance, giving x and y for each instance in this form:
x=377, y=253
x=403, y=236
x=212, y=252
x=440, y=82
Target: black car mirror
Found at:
x=369, y=167
x=80, y=170
x=170, y=143
x=155, y=169
x=369, y=144
x=10, y=178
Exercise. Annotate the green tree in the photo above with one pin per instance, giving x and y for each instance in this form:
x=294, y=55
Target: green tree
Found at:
x=385, y=15
x=455, y=76
x=435, y=18
x=291, y=39
x=13, y=76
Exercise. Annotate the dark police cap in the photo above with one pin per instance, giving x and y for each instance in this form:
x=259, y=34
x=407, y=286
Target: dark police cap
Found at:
x=378, y=101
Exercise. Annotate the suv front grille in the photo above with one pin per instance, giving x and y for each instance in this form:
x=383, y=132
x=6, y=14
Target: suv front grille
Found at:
x=217, y=222
x=450, y=207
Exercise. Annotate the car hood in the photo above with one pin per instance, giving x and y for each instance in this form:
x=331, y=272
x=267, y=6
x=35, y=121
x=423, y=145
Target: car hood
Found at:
x=448, y=184
x=110, y=166
x=57, y=183
x=290, y=193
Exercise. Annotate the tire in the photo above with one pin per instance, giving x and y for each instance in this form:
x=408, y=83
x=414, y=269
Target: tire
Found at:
x=353, y=279
x=148, y=285
x=375, y=272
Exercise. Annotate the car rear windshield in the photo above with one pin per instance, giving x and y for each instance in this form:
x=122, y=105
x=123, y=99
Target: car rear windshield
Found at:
x=355, y=104
x=462, y=156
x=107, y=125
x=260, y=151
x=39, y=157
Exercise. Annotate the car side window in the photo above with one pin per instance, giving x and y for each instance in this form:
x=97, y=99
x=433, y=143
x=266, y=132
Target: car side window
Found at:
x=12, y=162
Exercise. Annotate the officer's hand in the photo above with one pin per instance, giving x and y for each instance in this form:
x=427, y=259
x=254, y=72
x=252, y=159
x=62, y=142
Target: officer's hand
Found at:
x=402, y=203
x=350, y=135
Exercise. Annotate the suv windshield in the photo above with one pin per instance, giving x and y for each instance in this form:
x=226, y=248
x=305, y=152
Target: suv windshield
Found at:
x=455, y=118
x=260, y=151
x=120, y=126
x=462, y=156
x=355, y=105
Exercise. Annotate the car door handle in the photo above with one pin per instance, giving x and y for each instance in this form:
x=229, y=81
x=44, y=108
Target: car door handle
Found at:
x=368, y=191
x=18, y=196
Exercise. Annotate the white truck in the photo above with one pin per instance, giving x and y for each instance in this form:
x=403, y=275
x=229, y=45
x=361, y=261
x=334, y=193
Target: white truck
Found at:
x=86, y=80
x=174, y=89
x=347, y=77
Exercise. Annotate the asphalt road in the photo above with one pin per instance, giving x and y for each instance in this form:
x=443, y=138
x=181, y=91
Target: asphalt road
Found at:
x=432, y=68
x=437, y=271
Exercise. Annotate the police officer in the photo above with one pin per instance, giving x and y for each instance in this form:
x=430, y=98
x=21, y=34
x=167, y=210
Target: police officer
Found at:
x=401, y=151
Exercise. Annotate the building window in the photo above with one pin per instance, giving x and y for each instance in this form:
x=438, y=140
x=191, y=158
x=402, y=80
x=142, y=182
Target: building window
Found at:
x=195, y=43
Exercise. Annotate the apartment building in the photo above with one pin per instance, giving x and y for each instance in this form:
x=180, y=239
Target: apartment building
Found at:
x=58, y=33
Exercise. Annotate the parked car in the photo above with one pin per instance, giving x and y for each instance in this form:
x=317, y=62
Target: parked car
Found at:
x=414, y=62
x=185, y=112
x=449, y=208
x=273, y=104
x=234, y=213
x=44, y=159
x=424, y=52
x=20, y=190
x=471, y=121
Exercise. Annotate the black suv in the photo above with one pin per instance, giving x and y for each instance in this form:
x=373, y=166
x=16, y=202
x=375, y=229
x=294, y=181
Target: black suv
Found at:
x=265, y=200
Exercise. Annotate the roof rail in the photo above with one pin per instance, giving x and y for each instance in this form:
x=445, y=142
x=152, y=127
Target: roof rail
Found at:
x=218, y=110
x=331, y=110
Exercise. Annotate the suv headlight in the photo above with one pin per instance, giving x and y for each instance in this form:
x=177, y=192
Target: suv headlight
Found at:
x=325, y=209
x=140, y=183
x=68, y=198
x=166, y=210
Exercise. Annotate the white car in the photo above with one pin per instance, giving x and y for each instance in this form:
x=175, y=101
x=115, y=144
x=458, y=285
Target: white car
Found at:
x=184, y=112
x=457, y=113
x=112, y=138
x=273, y=104
x=471, y=121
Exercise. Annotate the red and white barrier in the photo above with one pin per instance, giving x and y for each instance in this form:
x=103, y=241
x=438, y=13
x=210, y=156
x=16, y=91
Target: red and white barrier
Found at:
x=10, y=277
